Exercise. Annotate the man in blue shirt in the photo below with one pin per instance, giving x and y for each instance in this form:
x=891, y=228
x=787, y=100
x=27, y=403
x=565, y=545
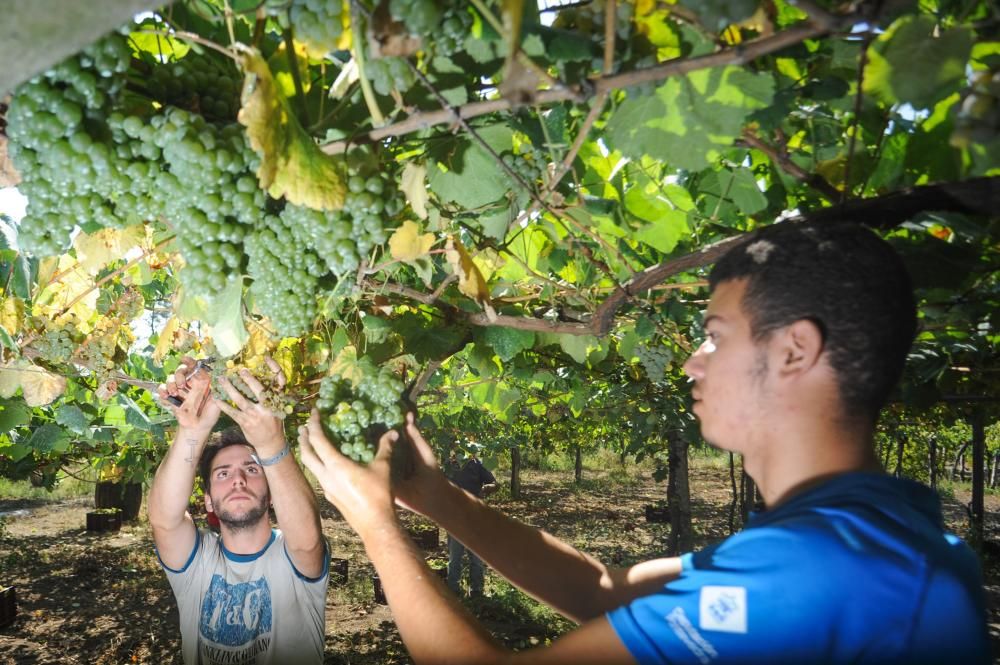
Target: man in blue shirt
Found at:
x=807, y=332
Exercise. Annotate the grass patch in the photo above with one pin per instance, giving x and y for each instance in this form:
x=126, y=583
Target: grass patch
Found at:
x=65, y=488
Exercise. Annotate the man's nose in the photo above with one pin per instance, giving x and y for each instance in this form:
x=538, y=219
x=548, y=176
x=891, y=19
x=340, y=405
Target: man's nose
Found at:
x=694, y=366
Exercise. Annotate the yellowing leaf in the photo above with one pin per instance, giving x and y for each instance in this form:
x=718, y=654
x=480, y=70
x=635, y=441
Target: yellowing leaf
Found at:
x=41, y=387
x=406, y=244
x=470, y=280
x=165, y=343
x=291, y=165
x=413, y=182
x=96, y=250
x=346, y=366
x=10, y=377
x=257, y=349
x=74, y=285
x=12, y=315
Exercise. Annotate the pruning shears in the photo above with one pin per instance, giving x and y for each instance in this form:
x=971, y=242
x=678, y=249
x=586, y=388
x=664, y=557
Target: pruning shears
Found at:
x=203, y=364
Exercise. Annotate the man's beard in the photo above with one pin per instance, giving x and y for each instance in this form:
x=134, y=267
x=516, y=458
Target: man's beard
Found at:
x=247, y=520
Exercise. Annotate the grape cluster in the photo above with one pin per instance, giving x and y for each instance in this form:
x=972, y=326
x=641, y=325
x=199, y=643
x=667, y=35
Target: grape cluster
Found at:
x=655, y=361
x=530, y=164
x=318, y=23
x=91, y=153
x=978, y=119
x=56, y=344
x=198, y=83
x=292, y=253
x=285, y=275
x=350, y=407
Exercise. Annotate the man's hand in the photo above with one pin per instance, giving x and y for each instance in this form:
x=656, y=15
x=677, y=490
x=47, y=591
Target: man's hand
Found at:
x=488, y=489
x=197, y=413
x=361, y=493
x=422, y=489
x=263, y=428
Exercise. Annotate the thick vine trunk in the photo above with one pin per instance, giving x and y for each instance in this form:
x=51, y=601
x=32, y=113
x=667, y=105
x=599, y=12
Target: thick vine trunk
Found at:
x=578, y=465
x=733, y=504
x=899, y=457
x=932, y=446
x=978, y=460
x=681, y=537
x=959, y=459
x=515, y=472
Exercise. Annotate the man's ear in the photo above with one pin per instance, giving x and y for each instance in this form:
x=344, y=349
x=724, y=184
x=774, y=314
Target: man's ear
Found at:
x=800, y=347
x=208, y=503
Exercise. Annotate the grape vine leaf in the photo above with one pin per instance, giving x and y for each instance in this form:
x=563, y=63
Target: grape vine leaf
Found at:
x=911, y=63
x=346, y=366
x=74, y=294
x=72, y=418
x=96, y=250
x=292, y=165
x=227, y=328
x=407, y=244
x=470, y=280
x=41, y=387
x=13, y=415
x=165, y=341
x=413, y=182
x=689, y=120
x=471, y=177
x=506, y=342
x=49, y=438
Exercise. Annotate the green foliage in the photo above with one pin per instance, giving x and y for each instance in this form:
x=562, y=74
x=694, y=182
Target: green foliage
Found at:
x=572, y=171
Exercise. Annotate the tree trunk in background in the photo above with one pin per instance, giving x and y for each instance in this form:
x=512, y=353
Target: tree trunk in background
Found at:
x=748, y=499
x=993, y=469
x=735, y=501
x=515, y=472
x=578, y=465
x=681, y=537
x=959, y=459
x=932, y=445
x=886, y=451
x=978, y=462
x=899, y=457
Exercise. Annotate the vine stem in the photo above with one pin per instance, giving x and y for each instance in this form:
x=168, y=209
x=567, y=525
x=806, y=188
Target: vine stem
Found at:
x=737, y=55
x=366, y=87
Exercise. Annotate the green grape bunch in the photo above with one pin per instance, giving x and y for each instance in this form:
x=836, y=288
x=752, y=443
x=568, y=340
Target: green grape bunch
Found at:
x=356, y=410
x=655, y=360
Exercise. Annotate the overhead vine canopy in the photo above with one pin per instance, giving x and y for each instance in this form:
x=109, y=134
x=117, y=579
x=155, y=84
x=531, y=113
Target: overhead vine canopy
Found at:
x=366, y=190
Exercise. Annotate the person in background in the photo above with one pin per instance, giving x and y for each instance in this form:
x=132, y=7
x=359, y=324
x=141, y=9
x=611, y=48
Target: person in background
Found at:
x=249, y=594
x=806, y=333
x=470, y=475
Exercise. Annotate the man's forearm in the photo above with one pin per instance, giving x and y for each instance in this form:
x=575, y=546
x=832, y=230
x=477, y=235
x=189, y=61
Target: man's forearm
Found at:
x=297, y=512
x=423, y=608
x=584, y=588
x=174, y=480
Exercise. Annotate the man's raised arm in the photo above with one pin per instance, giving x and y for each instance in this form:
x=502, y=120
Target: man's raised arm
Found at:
x=174, y=531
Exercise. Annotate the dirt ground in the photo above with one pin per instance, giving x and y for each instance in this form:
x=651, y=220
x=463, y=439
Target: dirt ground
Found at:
x=100, y=599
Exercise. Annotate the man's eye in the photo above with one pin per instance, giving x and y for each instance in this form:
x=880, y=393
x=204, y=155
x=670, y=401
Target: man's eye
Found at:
x=253, y=469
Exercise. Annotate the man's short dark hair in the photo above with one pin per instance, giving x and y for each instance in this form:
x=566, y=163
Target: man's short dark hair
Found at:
x=845, y=279
x=228, y=437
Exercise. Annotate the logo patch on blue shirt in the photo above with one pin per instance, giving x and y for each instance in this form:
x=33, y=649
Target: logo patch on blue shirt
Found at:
x=234, y=614
x=723, y=608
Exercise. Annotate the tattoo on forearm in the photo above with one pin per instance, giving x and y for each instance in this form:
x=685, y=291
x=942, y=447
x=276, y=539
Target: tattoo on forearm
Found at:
x=192, y=449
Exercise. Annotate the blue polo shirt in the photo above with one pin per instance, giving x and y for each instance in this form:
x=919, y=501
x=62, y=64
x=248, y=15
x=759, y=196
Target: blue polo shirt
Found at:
x=856, y=570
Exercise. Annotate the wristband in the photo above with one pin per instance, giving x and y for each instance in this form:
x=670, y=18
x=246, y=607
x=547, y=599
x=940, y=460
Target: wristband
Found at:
x=269, y=461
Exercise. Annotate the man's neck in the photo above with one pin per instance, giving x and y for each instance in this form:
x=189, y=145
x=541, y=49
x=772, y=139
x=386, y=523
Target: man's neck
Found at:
x=800, y=458
x=249, y=540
